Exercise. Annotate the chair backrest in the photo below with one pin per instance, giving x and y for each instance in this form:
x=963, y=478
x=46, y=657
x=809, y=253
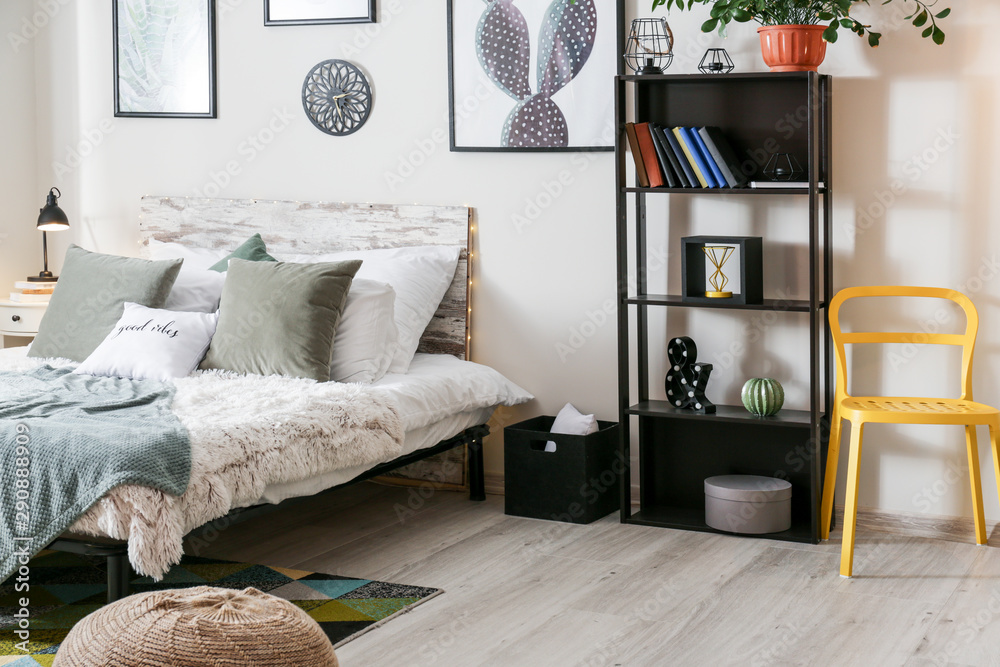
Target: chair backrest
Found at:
x=966, y=340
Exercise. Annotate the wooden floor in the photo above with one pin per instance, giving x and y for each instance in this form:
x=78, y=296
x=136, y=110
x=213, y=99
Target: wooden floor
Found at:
x=536, y=593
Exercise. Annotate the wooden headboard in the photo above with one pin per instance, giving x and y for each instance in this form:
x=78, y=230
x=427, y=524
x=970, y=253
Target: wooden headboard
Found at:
x=314, y=228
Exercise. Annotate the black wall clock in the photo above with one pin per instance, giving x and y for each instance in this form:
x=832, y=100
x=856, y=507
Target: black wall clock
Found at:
x=336, y=97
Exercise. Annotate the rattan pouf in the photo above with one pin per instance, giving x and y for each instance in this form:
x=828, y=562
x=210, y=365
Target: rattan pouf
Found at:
x=197, y=627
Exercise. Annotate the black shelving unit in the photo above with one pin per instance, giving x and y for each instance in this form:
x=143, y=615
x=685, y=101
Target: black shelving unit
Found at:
x=754, y=111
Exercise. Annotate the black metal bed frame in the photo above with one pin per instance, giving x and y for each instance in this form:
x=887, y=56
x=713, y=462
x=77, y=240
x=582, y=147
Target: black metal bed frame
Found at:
x=116, y=551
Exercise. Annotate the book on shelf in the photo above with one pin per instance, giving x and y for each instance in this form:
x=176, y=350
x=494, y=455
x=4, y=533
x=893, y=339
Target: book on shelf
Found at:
x=690, y=152
x=20, y=297
x=782, y=185
x=682, y=157
x=648, y=151
x=661, y=154
x=47, y=290
x=724, y=156
x=668, y=151
x=687, y=173
x=640, y=168
x=29, y=285
x=713, y=168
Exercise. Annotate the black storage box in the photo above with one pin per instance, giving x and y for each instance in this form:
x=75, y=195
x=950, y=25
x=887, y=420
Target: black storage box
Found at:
x=577, y=483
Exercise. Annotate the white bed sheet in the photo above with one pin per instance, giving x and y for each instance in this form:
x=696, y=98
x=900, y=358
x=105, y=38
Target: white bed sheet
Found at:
x=419, y=438
x=437, y=398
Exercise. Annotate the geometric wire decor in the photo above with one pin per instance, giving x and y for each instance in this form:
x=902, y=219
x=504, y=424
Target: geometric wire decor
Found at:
x=716, y=61
x=783, y=167
x=718, y=280
x=336, y=97
x=649, y=46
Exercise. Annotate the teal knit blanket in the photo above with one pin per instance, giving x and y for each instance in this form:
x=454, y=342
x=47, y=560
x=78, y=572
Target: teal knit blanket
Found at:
x=66, y=440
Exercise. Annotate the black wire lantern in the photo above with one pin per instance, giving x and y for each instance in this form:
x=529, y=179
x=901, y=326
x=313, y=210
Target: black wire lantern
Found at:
x=716, y=61
x=783, y=167
x=649, y=47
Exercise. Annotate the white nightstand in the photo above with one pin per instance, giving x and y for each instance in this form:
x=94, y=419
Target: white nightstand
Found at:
x=20, y=319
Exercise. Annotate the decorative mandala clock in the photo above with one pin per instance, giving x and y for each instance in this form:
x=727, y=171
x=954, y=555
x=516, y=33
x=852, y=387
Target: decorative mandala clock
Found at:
x=336, y=97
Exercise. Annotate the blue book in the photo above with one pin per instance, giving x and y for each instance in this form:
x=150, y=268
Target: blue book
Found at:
x=720, y=180
x=695, y=155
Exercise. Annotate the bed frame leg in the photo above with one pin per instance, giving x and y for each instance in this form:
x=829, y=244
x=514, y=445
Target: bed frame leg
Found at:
x=477, y=471
x=119, y=574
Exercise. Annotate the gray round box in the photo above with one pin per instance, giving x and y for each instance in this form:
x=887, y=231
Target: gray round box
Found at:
x=748, y=504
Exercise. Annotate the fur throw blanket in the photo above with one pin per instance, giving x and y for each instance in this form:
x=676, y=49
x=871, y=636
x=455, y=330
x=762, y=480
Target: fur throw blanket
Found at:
x=246, y=432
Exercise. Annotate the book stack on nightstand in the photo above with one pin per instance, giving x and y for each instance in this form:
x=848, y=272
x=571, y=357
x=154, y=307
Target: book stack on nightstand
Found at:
x=21, y=315
x=32, y=292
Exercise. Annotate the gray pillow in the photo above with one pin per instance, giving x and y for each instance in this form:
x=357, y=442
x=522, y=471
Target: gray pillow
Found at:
x=279, y=318
x=90, y=298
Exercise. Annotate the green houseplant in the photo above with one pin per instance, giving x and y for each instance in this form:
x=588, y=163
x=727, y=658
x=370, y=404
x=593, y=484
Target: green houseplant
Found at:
x=805, y=25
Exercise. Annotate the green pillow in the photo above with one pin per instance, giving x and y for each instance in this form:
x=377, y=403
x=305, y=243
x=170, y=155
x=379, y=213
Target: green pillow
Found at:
x=252, y=250
x=90, y=299
x=278, y=318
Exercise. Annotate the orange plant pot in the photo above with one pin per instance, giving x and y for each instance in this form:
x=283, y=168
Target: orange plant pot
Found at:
x=792, y=48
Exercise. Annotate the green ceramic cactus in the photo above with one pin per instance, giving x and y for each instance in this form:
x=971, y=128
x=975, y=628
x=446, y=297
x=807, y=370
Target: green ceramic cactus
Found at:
x=763, y=396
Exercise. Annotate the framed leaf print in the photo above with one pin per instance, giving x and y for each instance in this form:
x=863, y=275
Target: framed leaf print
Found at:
x=164, y=58
x=533, y=75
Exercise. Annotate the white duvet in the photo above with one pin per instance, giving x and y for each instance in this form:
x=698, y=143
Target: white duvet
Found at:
x=248, y=432
x=439, y=385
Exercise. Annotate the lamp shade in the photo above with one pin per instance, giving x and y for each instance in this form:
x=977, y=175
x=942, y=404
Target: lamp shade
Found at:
x=51, y=217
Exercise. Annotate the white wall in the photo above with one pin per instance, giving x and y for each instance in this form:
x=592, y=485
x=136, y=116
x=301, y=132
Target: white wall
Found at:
x=540, y=285
x=20, y=244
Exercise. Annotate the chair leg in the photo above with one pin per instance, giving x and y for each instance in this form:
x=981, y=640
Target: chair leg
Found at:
x=830, y=481
x=974, y=480
x=851, y=501
x=995, y=445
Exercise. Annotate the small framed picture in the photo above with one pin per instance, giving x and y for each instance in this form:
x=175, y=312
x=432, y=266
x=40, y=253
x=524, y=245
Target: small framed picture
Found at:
x=314, y=12
x=164, y=59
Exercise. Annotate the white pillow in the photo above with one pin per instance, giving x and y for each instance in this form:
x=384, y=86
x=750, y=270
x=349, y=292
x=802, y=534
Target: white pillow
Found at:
x=152, y=344
x=196, y=289
x=420, y=275
x=194, y=257
x=570, y=421
x=366, y=337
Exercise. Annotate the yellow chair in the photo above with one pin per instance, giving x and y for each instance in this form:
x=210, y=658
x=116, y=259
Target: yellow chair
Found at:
x=860, y=410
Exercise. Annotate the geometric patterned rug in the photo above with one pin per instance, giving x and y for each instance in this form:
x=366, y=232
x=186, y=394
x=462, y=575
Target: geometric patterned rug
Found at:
x=66, y=587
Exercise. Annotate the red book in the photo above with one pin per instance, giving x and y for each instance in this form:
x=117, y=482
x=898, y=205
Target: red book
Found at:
x=648, y=150
x=640, y=168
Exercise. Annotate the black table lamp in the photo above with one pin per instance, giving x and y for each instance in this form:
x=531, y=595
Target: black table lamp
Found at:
x=51, y=218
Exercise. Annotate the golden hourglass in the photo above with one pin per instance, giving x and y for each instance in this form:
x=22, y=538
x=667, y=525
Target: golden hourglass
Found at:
x=718, y=254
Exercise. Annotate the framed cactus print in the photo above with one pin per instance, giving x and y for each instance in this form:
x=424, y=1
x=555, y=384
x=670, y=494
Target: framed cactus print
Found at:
x=164, y=58
x=533, y=75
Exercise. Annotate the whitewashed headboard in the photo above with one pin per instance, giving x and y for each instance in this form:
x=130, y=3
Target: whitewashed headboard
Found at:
x=292, y=228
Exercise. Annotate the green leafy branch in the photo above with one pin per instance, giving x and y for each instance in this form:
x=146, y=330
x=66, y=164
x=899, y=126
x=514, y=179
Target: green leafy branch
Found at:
x=809, y=12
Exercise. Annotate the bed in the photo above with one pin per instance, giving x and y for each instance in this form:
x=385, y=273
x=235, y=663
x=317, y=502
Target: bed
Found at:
x=442, y=402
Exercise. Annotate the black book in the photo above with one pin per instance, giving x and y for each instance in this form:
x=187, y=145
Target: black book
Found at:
x=662, y=153
x=675, y=164
x=724, y=156
x=686, y=172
